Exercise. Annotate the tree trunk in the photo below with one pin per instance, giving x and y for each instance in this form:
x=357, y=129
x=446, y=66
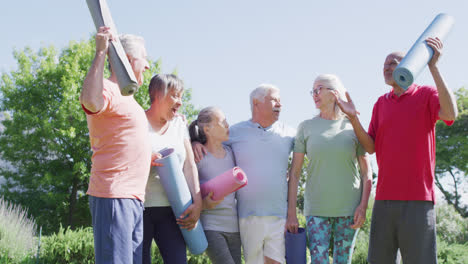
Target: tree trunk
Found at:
x=72, y=202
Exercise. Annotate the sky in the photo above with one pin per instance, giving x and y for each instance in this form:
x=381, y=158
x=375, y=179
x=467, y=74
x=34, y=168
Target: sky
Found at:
x=224, y=49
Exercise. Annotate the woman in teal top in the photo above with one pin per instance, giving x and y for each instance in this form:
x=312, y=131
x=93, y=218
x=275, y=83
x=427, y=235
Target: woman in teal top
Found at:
x=339, y=177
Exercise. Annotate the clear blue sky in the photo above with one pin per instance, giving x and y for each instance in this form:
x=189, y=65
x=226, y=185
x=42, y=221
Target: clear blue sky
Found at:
x=224, y=49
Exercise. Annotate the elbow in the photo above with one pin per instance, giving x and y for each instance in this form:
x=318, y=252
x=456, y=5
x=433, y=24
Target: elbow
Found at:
x=370, y=150
x=91, y=104
x=454, y=115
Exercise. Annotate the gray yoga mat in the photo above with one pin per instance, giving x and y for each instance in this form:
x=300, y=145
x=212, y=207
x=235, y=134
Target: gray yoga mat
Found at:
x=420, y=53
x=174, y=183
x=118, y=59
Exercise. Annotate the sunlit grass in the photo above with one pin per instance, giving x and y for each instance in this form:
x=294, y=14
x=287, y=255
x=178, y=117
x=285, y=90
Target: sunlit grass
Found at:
x=17, y=232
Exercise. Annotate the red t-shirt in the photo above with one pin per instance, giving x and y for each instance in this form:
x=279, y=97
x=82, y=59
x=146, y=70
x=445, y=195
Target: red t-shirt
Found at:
x=403, y=129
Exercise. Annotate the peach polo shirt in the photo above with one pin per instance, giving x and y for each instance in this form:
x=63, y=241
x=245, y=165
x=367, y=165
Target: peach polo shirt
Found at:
x=121, y=152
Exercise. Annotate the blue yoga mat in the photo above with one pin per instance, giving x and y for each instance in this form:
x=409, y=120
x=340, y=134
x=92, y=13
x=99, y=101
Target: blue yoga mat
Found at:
x=174, y=183
x=420, y=53
x=296, y=245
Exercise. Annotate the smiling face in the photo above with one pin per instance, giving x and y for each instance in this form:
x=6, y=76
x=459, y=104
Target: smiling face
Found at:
x=170, y=103
x=391, y=62
x=269, y=108
x=218, y=129
x=323, y=95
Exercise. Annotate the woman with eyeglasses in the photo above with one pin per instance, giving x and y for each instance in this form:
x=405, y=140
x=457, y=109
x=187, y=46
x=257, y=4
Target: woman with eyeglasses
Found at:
x=339, y=177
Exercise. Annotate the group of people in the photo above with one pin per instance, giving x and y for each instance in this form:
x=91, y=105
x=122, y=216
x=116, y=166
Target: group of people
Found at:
x=130, y=208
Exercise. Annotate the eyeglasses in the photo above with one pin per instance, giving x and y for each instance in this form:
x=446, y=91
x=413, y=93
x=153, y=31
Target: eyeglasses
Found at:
x=317, y=90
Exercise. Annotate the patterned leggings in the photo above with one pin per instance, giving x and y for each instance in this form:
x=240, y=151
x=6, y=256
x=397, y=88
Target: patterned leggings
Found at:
x=319, y=231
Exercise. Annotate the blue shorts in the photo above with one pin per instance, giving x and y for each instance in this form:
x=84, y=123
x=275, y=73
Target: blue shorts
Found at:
x=117, y=229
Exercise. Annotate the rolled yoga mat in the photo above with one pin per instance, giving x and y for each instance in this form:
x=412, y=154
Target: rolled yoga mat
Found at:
x=174, y=183
x=420, y=53
x=225, y=183
x=296, y=245
x=118, y=59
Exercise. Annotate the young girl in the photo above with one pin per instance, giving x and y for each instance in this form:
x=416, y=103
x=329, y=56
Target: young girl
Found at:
x=219, y=218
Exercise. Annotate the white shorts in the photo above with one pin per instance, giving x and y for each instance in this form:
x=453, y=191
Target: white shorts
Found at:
x=262, y=236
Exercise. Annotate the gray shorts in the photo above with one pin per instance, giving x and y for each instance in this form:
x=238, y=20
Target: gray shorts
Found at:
x=223, y=247
x=405, y=225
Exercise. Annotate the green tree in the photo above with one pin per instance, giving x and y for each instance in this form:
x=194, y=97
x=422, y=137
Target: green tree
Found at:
x=46, y=139
x=452, y=155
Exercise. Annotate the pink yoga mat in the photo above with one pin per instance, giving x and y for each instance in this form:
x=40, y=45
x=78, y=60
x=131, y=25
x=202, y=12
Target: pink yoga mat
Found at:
x=225, y=183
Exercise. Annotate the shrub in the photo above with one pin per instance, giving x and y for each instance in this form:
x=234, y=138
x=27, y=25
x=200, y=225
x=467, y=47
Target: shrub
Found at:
x=17, y=230
x=451, y=226
x=451, y=253
x=68, y=246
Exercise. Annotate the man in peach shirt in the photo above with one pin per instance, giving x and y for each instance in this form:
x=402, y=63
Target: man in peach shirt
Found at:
x=118, y=132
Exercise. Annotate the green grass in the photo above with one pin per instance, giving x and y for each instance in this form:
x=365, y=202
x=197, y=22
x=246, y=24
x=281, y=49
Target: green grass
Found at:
x=17, y=233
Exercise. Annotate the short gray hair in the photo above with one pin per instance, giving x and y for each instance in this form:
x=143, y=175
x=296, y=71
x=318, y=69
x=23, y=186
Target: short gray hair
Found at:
x=261, y=92
x=332, y=81
x=160, y=84
x=132, y=44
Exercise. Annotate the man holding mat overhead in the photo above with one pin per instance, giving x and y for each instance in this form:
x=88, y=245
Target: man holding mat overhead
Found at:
x=118, y=132
x=262, y=146
x=402, y=134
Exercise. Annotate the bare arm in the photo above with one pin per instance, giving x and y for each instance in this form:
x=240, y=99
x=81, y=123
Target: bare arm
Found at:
x=366, y=177
x=366, y=141
x=294, y=175
x=349, y=109
x=91, y=94
x=448, y=106
x=189, y=218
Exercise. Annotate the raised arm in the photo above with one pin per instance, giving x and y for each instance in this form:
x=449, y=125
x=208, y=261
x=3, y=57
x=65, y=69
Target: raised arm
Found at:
x=91, y=94
x=349, y=109
x=366, y=178
x=294, y=175
x=448, y=107
x=190, y=216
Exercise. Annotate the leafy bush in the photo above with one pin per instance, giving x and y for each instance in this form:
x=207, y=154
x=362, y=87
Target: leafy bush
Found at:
x=451, y=253
x=451, y=226
x=77, y=246
x=68, y=246
x=17, y=231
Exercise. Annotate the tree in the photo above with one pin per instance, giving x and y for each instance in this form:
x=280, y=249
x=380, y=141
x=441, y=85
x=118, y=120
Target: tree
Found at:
x=46, y=137
x=452, y=155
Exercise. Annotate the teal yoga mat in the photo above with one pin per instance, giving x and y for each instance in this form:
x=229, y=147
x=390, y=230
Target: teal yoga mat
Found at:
x=296, y=245
x=126, y=79
x=420, y=53
x=174, y=183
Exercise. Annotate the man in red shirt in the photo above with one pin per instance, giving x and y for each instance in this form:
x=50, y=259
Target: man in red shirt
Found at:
x=402, y=134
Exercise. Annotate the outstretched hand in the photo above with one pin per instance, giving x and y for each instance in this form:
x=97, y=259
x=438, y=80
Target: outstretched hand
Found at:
x=347, y=107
